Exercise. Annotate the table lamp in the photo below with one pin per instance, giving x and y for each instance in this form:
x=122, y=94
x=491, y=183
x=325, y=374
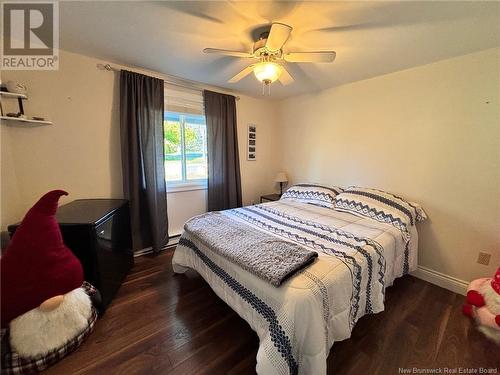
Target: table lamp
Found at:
x=281, y=178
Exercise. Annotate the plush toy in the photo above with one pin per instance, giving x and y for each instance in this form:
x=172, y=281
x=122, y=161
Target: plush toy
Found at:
x=46, y=309
x=483, y=305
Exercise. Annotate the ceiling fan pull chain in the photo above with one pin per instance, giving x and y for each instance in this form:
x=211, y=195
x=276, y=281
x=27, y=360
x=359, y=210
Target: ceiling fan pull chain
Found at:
x=266, y=83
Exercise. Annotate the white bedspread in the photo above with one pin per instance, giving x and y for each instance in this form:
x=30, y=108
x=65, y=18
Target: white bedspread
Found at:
x=298, y=322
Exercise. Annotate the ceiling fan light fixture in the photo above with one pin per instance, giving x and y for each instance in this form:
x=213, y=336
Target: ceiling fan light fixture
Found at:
x=268, y=49
x=267, y=71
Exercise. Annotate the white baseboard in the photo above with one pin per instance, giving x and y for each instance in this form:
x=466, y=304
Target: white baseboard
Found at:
x=442, y=280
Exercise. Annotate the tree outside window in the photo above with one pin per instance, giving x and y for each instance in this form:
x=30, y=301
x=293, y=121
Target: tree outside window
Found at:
x=185, y=138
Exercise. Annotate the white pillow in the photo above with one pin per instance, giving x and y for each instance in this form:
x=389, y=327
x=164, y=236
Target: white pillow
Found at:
x=317, y=195
x=381, y=206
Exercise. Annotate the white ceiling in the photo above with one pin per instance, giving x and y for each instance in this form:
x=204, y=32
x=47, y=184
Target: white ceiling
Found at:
x=370, y=38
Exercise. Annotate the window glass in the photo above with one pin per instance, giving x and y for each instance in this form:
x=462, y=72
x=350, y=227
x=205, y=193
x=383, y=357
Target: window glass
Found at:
x=185, y=139
x=173, y=148
x=195, y=132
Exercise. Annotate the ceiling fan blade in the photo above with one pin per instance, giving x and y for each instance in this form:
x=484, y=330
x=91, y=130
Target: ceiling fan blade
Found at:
x=285, y=77
x=242, y=74
x=319, y=56
x=278, y=35
x=353, y=27
x=226, y=52
x=194, y=9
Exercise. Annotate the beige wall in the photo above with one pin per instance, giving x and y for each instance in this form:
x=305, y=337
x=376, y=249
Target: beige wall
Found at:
x=257, y=176
x=81, y=151
x=431, y=134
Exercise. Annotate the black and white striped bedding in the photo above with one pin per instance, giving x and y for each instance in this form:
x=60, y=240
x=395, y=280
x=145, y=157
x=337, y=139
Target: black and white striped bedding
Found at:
x=381, y=206
x=297, y=323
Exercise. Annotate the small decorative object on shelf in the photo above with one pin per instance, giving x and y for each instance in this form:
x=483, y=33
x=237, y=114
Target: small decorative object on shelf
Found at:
x=270, y=198
x=16, y=115
x=16, y=87
x=252, y=138
x=282, y=179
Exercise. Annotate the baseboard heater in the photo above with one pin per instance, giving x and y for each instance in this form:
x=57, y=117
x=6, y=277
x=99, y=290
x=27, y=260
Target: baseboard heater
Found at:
x=172, y=241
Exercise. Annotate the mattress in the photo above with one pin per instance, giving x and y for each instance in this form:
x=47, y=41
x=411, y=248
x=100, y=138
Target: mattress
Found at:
x=298, y=322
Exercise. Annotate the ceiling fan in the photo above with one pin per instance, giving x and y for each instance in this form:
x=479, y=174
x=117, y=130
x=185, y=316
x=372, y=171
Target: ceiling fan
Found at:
x=268, y=49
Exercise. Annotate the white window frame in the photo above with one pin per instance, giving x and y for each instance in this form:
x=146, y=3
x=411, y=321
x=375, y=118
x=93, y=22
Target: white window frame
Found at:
x=185, y=184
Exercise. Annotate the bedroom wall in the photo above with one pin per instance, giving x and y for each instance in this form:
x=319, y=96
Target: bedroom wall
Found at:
x=81, y=151
x=431, y=134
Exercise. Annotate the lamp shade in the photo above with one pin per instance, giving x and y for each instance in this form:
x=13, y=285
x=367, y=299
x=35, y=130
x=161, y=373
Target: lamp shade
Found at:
x=267, y=71
x=281, y=177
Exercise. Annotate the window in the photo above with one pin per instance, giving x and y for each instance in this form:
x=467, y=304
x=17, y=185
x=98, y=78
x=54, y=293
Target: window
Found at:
x=185, y=137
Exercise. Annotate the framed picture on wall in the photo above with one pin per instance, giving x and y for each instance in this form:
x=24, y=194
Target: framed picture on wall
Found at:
x=252, y=142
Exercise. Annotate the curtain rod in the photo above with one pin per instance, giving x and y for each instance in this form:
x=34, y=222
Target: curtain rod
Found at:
x=186, y=85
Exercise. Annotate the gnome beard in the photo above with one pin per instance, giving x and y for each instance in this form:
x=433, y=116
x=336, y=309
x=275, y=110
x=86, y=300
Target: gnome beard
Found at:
x=37, y=332
x=491, y=298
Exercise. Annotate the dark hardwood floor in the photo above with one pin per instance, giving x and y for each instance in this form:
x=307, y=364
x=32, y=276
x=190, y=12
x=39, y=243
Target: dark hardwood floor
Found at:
x=165, y=324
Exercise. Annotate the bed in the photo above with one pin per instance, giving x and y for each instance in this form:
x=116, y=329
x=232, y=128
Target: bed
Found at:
x=298, y=322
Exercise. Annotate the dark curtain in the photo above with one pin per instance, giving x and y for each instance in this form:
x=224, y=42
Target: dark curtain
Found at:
x=141, y=130
x=224, y=182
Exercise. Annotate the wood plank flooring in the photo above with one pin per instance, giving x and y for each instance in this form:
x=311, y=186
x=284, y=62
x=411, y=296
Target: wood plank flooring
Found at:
x=161, y=323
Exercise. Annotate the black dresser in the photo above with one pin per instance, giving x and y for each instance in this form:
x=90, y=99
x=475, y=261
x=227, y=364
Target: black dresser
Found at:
x=98, y=232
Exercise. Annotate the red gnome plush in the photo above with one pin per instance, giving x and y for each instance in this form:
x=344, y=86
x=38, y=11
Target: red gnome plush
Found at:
x=483, y=305
x=46, y=310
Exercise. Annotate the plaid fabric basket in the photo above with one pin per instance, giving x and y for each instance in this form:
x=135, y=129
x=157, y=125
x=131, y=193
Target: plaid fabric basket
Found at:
x=13, y=364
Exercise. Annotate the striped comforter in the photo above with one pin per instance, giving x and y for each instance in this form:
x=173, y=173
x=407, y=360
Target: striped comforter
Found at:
x=298, y=322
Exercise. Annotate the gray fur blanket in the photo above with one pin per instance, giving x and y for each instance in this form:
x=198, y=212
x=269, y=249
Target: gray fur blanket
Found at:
x=266, y=256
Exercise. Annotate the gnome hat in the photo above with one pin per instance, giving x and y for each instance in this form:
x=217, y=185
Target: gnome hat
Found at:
x=37, y=265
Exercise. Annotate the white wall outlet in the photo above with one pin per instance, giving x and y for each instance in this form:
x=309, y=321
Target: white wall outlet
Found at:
x=483, y=258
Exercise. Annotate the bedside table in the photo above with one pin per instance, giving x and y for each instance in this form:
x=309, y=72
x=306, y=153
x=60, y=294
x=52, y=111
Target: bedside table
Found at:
x=269, y=198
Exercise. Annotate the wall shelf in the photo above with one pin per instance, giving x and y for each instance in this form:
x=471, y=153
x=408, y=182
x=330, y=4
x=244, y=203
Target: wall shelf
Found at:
x=12, y=95
x=16, y=121
x=26, y=122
